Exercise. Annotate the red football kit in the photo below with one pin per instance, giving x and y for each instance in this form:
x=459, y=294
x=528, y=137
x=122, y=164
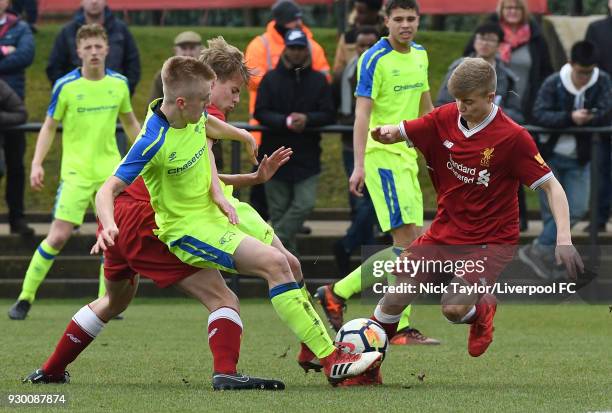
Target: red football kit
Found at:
x=476, y=173
x=137, y=250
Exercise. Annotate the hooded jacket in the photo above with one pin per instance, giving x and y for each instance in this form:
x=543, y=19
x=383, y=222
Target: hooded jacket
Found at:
x=541, y=66
x=263, y=53
x=505, y=97
x=15, y=32
x=122, y=56
x=285, y=90
x=558, y=98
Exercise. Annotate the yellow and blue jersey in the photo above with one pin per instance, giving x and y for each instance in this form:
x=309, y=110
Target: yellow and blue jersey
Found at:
x=88, y=111
x=175, y=166
x=395, y=82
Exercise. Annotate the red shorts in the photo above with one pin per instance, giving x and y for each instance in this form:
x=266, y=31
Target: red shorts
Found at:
x=138, y=251
x=475, y=264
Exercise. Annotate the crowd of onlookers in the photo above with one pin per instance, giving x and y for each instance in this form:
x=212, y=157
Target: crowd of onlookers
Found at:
x=294, y=88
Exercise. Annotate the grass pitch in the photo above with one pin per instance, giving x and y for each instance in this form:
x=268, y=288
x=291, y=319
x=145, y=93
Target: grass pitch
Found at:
x=544, y=358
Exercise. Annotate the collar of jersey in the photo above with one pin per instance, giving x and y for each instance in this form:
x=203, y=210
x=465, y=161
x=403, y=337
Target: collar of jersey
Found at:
x=469, y=132
x=156, y=108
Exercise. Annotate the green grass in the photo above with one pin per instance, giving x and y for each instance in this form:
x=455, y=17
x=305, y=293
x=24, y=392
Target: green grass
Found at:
x=155, y=46
x=544, y=358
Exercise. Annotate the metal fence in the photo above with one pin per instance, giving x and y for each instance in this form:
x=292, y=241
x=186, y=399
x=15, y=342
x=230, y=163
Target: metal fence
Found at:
x=596, y=136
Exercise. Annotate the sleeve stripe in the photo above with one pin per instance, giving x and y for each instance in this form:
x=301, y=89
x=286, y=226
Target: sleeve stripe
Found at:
x=162, y=132
x=405, y=135
x=540, y=181
x=57, y=88
x=134, y=162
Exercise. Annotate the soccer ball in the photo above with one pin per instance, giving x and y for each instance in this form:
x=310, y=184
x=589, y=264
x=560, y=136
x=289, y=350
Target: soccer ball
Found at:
x=362, y=335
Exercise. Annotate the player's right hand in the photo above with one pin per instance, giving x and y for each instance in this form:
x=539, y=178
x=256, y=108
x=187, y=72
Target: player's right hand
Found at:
x=357, y=181
x=105, y=239
x=37, y=177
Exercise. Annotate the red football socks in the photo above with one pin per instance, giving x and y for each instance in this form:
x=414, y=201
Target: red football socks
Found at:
x=81, y=331
x=224, y=334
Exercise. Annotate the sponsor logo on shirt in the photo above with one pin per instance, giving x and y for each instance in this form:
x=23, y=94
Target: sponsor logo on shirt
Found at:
x=196, y=157
x=97, y=109
x=461, y=172
x=484, y=177
x=402, y=88
x=487, y=154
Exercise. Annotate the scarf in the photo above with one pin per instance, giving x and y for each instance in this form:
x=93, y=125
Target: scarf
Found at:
x=513, y=40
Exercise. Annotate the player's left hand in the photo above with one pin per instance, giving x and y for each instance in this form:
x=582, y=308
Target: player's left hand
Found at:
x=569, y=257
x=225, y=207
x=269, y=165
x=252, y=149
x=105, y=239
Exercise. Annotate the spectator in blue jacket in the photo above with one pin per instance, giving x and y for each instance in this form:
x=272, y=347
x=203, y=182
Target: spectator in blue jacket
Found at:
x=123, y=54
x=578, y=95
x=16, y=54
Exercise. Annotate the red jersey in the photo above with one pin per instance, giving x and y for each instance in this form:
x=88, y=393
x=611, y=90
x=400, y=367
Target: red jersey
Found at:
x=138, y=190
x=476, y=173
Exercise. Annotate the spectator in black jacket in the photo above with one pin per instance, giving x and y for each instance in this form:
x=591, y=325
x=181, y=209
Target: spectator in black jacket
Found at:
x=12, y=112
x=600, y=34
x=579, y=95
x=122, y=55
x=291, y=98
x=16, y=54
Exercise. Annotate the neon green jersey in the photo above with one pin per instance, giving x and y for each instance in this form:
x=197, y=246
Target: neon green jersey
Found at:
x=175, y=166
x=394, y=81
x=88, y=111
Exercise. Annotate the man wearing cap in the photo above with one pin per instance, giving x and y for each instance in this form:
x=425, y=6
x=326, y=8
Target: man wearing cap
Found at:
x=292, y=97
x=262, y=55
x=122, y=56
x=185, y=44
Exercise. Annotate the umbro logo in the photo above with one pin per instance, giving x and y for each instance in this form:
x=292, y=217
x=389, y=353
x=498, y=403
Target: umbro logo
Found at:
x=73, y=338
x=212, y=333
x=172, y=157
x=395, y=72
x=448, y=144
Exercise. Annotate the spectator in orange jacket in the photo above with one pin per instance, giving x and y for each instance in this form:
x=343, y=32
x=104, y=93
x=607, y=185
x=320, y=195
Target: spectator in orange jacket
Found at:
x=263, y=51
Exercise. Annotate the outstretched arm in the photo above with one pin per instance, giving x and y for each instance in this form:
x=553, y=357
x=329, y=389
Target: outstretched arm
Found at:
x=564, y=252
x=217, y=129
x=266, y=170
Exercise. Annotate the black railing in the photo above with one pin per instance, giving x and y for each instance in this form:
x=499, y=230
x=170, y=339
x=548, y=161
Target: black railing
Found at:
x=596, y=133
